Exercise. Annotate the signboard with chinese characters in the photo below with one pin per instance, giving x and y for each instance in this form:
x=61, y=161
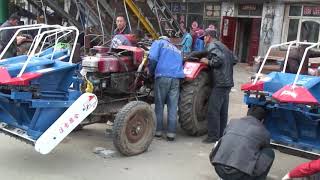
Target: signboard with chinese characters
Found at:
x=311, y=11
x=248, y=7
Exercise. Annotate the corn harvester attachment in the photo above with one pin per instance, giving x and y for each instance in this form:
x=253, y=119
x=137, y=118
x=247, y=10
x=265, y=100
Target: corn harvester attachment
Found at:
x=40, y=97
x=292, y=101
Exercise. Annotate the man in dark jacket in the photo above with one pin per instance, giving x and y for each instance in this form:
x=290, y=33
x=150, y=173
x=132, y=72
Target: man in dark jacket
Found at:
x=122, y=27
x=6, y=35
x=243, y=152
x=295, y=58
x=220, y=60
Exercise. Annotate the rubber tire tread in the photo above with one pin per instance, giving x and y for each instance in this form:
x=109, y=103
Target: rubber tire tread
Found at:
x=187, y=119
x=119, y=125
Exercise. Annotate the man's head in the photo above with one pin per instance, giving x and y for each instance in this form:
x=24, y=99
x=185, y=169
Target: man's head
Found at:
x=303, y=46
x=211, y=26
x=257, y=112
x=121, y=22
x=14, y=19
x=209, y=36
x=194, y=25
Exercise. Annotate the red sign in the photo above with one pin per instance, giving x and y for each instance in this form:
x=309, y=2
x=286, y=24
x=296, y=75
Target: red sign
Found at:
x=311, y=10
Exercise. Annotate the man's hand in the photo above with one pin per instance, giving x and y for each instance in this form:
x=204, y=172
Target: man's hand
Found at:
x=286, y=177
x=204, y=60
x=20, y=39
x=146, y=70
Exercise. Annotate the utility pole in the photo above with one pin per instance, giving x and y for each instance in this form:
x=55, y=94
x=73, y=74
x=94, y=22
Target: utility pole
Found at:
x=4, y=6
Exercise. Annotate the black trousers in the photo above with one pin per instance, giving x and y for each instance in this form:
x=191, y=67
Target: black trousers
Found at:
x=230, y=173
x=218, y=112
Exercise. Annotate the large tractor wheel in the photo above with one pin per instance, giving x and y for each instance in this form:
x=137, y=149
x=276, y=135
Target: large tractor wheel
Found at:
x=193, y=105
x=134, y=127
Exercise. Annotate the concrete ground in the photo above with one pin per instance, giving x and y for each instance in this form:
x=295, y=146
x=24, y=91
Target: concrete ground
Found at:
x=184, y=159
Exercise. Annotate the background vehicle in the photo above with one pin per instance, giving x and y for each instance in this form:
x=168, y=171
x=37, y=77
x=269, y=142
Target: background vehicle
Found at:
x=292, y=101
x=37, y=91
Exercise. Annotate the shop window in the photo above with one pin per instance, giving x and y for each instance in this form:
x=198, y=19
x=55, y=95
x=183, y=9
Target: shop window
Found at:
x=304, y=23
x=212, y=10
x=205, y=13
x=195, y=8
x=178, y=7
x=195, y=17
x=309, y=31
x=293, y=29
x=188, y=12
x=295, y=11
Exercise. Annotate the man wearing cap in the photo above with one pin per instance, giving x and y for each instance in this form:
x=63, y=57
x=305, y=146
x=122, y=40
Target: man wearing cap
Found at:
x=6, y=35
x=165, y=63
x=220, y=60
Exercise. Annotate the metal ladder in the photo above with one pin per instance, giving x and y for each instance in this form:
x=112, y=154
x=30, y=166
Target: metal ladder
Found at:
x=165, y=18
x=83, y=7
x=160, y=17
x=144, y=20
x=59, y=10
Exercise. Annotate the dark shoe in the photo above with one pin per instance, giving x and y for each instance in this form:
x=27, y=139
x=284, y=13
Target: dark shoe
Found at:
x=209, y=140
x=158, y=134
x=170, y=138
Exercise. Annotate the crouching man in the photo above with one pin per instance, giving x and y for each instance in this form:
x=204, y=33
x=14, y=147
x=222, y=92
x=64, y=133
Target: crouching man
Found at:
x=244, y=150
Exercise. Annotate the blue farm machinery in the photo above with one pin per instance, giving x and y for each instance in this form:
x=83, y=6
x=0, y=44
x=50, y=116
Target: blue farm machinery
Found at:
x=40, y=97
x=292, y=101
x=44, y=95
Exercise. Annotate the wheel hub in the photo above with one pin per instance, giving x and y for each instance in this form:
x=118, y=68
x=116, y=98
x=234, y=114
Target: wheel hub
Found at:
x=136, y=128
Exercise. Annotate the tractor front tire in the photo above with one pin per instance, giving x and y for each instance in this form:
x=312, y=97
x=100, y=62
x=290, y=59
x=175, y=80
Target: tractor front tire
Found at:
x=134, y=127
x=193, y=105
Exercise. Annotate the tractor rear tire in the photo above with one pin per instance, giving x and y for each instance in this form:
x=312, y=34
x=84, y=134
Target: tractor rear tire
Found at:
x=134, y=127
x=193, y=105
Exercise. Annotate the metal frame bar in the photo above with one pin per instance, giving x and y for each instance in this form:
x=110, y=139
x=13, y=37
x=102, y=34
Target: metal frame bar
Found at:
x=312, y=45
x=39, y=37
x=302, y=61
x=45, y=39
x=266, y=57
x=23, y=28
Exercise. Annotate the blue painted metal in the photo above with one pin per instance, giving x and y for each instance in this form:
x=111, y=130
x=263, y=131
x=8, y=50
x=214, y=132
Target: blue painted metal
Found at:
x=293, y=125
x=36, y=107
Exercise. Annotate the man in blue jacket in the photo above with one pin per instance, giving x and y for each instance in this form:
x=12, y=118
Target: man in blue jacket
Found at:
x=165, y=63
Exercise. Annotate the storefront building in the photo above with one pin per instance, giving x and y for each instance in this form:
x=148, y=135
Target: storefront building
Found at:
x=249, y=27
x=204, y=12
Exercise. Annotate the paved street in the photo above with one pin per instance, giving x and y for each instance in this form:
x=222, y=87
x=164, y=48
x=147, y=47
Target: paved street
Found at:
x=184, y=159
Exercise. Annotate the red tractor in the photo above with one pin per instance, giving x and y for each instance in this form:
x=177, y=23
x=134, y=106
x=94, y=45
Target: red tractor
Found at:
x=119, y=80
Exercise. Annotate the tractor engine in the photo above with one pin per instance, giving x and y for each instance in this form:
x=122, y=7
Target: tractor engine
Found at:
x=113, y=72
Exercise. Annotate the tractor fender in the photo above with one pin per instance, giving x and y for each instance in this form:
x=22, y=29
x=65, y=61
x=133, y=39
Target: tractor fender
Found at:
x=192, y=70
